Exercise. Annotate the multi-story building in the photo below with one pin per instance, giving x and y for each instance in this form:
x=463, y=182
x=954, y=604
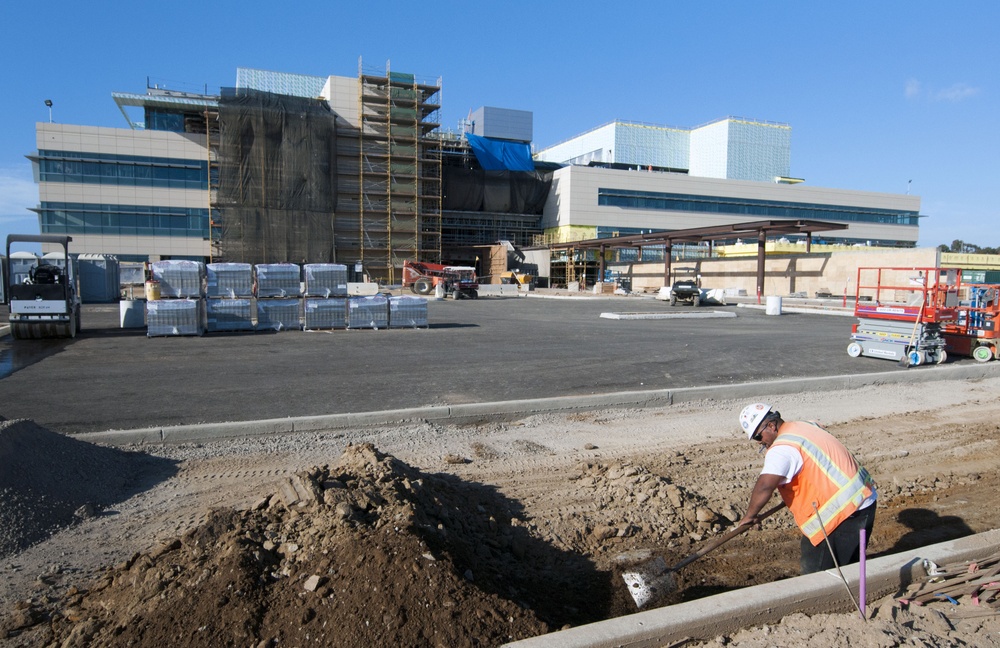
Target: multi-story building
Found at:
x=626, y=178
x=289, y=167
x=135, y=194
x=361, y=174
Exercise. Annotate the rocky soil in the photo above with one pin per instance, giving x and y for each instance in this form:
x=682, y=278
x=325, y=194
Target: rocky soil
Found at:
x=465, y=535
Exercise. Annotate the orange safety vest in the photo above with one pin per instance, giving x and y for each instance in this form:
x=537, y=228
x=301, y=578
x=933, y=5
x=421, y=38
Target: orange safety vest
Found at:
x=830, y=477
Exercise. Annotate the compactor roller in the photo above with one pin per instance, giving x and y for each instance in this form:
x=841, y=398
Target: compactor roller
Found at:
x=45, y=303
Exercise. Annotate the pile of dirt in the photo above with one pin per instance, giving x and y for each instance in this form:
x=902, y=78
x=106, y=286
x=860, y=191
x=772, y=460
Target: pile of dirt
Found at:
x=657, y=511
x=50, y=481
x=367, y=552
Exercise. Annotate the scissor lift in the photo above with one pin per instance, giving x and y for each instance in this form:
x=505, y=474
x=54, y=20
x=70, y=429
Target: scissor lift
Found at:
x=902, y=313
x=976, y=332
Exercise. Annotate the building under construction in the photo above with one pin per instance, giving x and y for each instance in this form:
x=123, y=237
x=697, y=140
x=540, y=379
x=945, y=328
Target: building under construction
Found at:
x=358, y=170
x=286, y=167
x=341, y=176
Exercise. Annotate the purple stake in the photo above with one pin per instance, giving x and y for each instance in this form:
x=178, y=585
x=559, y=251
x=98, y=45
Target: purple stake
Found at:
x=861, y=579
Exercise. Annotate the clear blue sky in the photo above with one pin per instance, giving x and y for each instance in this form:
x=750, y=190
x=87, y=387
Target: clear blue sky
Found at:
x=878, y=94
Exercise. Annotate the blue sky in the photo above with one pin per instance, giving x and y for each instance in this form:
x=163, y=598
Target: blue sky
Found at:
x=881, y=96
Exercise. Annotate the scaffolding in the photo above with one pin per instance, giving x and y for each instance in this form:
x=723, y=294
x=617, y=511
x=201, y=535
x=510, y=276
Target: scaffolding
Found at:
x=397, y=200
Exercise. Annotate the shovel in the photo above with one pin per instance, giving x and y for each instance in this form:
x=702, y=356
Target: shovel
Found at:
x=654, y=579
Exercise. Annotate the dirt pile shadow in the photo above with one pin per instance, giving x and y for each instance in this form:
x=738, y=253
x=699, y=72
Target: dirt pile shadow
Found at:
x=49, y=481
x=369, y=551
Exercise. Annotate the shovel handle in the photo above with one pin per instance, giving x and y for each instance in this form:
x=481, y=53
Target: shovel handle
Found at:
x=723, y=539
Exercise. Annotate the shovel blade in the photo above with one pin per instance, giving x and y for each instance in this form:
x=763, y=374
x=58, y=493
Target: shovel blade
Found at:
x=649, y=581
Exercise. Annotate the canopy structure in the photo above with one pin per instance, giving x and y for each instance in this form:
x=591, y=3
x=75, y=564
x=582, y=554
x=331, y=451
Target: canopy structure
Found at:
x=760, y=229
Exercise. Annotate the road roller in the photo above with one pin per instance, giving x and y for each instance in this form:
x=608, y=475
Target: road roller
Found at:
x=45, y=303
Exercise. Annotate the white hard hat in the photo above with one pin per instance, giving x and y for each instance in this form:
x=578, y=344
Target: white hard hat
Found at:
x=751, y=416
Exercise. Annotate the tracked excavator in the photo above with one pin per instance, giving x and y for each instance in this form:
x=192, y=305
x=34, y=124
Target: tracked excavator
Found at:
x=45, y=303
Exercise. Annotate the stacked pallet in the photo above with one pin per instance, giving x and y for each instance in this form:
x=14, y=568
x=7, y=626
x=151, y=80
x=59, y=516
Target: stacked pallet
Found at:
x=279, y=287
x=368, y=312
x=180, y=310
x=325, y=304
x=407, y=312
x=229, y=292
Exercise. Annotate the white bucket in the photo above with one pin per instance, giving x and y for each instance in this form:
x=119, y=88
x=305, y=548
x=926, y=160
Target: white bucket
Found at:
x=132, y=313
x=773, y=306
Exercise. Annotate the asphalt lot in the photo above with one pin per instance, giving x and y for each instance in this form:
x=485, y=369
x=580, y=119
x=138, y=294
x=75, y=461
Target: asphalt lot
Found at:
x=486, y=350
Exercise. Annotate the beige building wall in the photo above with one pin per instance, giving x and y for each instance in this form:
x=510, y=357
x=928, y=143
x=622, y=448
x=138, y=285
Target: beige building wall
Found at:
x=124, y=141
x=573, y=200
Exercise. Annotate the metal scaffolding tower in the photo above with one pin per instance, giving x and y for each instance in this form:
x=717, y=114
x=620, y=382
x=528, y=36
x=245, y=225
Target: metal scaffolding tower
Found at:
x=398, y=206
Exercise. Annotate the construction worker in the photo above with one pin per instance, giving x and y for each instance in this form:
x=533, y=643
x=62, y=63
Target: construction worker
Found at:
x=820, y=482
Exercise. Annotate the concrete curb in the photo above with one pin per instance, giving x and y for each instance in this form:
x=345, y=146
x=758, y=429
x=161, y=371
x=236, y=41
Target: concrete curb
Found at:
x=517, y=408
x=728, y=612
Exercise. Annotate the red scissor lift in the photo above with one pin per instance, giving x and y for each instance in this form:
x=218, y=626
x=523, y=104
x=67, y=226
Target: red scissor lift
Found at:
x=903, y=313
x=976, y=332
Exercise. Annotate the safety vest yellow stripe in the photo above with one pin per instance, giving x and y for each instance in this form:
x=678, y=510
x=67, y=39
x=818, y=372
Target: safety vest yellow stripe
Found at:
x=850, y=488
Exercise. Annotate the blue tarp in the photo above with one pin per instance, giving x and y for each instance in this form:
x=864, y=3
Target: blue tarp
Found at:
x=501, y=155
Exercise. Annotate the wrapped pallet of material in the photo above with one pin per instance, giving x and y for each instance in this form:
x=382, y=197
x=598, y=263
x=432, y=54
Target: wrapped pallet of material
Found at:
x=325, y=279
x=407, y=312
x=229, y=315
x=230, y=280
x=278, y=280
x=324, y=314
x=279, y=314
x=368, y=312
x=179, y=279
x=175, y=317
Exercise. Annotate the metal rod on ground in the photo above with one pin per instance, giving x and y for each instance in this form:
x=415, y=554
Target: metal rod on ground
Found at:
x=836, y=564
x=862, y=582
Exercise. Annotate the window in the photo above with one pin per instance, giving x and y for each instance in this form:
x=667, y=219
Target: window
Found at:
x=128, y=170
x=129, y=220
x=747, y=207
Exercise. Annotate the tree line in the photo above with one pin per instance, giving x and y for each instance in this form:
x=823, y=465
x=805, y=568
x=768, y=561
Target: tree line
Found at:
x=967, y=248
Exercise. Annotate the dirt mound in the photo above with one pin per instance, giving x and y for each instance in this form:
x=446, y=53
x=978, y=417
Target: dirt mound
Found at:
x=367, y=552
x=48, y=481
x=656, y=509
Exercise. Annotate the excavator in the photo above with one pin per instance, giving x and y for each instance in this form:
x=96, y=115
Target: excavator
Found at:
x=458, y=282
x=46, y=303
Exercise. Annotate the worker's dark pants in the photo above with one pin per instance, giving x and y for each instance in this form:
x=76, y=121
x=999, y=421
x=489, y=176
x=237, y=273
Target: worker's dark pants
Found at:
x=845, y=540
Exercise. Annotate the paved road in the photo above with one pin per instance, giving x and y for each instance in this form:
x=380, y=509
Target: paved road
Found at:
x=474, y=351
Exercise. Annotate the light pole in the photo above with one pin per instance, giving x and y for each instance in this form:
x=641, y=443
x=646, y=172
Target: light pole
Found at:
x=48, y=102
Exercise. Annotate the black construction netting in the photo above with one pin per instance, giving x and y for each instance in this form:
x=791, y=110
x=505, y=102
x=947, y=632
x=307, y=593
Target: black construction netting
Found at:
x=277, y=178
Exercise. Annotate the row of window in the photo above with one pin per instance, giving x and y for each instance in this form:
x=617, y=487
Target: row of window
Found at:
x=749, y=207
x=123, y=220
x=123, y=170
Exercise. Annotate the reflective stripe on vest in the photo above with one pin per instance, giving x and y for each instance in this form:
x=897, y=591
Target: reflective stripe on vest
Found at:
x=846, y=489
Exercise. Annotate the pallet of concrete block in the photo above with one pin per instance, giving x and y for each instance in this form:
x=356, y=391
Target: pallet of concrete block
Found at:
x=172, y=317
x=279, y=314
x=278, y=280
x=368, y=312
x=325, y=279
x=179, y=279
x=230, y=280
x=407, y=312
x=229, y=315
x=325, y=314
